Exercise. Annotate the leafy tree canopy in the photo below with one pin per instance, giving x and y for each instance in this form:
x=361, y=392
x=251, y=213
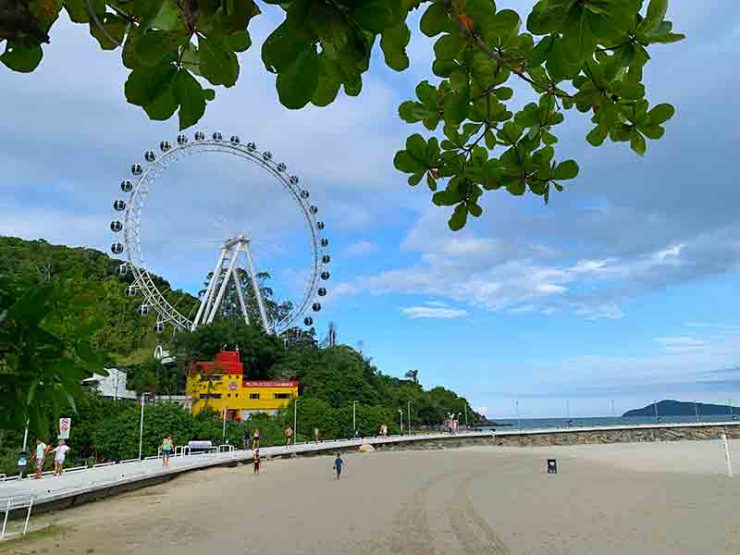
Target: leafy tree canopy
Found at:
x=586, y=55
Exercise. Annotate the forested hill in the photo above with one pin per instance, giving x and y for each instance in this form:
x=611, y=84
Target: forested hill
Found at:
x=682, y=408
x=125, y=335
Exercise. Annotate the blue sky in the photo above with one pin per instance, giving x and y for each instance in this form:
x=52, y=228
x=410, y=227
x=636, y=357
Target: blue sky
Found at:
x=625, y=287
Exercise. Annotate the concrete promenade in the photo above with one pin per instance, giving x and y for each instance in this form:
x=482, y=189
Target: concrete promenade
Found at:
x=77, y=486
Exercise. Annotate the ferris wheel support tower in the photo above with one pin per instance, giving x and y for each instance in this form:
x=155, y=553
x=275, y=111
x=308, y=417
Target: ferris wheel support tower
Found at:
x=225, y=270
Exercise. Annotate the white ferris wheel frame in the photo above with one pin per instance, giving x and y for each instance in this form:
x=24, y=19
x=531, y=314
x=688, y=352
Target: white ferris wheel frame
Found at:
x=145, y=175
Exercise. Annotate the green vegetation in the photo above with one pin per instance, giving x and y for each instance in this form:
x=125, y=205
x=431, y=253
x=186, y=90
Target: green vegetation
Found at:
x=60, y=310
x=587, y=54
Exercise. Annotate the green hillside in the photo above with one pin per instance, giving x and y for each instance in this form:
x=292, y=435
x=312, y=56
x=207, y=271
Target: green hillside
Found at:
x=126, y=336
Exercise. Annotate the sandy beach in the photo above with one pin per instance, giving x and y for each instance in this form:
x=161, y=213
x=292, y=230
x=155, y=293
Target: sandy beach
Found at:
x=648, y=498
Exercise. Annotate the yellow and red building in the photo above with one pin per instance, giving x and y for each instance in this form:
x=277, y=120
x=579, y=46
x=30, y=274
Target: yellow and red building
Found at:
x=222, y=386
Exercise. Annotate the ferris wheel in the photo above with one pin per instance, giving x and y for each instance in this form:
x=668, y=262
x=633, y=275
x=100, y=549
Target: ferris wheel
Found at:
x=236, y=257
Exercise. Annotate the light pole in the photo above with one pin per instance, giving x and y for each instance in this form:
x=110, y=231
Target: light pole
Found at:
x=465, y=406
x=400, y=417
x=223, y=431
x=141, y=424
x=295, y=420
x=696, y=410
x=408, y=417
x=354, y=418
x=518, y=420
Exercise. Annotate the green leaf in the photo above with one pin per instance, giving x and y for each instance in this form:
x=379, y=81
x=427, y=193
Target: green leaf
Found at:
x=217, y=64
x=191, y=98
x=435, y=20
x=637, y=142
x=145, y=84
x=239, y=41
x=163, y=106
x=328, y=84
x=282, y=47
x=417, y=146
x=169, y=18
x=406, y=163
x=431, y=183
x=393, y=42
x=475, y=209
x=655, y=15
x=109, y=31
x=566, y=170
x=661, y=113
x=21, y=59
x=458, y=218
x=371, y=15
x=154, y=47
x=296, y=85
x=597, y=135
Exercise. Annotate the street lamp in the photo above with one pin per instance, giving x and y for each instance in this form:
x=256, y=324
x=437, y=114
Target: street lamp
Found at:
x=354, y=418
x=400, y=416
x=408, y=419
x=141, y=423
x=295, y=420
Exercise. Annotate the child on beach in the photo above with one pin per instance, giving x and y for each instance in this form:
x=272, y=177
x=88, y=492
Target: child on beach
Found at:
x=60, y=453
x=257, y=462
x=338, y=463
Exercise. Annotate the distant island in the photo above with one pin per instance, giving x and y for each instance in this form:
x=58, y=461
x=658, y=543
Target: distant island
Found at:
x=682, y=408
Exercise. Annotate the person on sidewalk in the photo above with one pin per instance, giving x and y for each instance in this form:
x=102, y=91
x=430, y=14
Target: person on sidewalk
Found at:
x=245, y=439
x=317, y=435
x=38, y=460
x=23, y=458
x=60, y=453
x=168, y=446
x=288, y=435
x=256, y=439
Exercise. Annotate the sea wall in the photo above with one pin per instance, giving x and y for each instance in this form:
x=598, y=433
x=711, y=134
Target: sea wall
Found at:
x=575, y=436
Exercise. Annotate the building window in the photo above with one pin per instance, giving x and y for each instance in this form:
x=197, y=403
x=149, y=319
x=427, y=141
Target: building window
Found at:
x=228, y=394
x=254, y=395
x=236, y=395
x=210, y=395
x=282, y=396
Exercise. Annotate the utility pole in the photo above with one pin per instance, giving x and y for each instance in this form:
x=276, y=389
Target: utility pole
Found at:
x=408, y=419
x=223, y=417
x=354, y=418
x=465, y=406
x=141, y=425
x=400, y=418
x=295, y=420
x=518, y=420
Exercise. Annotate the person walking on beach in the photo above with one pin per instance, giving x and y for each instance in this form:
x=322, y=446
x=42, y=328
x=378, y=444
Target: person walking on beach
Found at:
x=257, y=462
x=338, y=464
x=38, y=460
x=60, y=453
x=168, y=446
x=288, y=435
x=256, y=439
x=317, y=435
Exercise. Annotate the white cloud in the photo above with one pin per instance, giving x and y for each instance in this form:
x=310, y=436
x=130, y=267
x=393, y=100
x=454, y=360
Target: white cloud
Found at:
x=681, y=343
x=481, y=410
x=361, y=248
x=434, y=310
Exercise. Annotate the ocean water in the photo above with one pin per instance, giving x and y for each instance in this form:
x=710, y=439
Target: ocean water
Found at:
x=575, y=422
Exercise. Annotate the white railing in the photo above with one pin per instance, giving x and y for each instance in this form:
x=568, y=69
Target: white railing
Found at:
x=12, y=504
